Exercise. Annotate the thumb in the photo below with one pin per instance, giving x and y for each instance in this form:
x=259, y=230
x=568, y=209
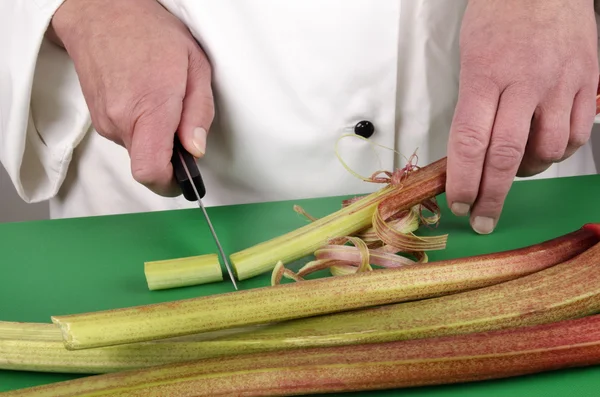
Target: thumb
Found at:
x=198, y=105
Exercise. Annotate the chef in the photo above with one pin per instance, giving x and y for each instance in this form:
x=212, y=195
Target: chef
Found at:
x=267, y=93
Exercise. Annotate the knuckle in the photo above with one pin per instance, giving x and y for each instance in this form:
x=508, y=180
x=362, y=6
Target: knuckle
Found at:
x=504, y=155
x=470, y=143
x=101, y=124
x=492, y=200
x=208, y=107
x=200, y=67
x=579, y=138
x=156, y=103
x=479, y=85
x=549, y=152
x=117, y=111
x=144, y=167
x=151, y=101
x=142, y=174
x=525, y=91
x=472, y=61
x=584, y=66
x=463, y=194
x=549, y=155
x=123, y=111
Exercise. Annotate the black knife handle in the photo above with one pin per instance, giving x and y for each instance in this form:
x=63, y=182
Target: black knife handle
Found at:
x=181, y=176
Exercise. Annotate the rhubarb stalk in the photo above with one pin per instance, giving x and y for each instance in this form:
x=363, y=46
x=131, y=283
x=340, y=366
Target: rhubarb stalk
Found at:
x=315, y=297
x=39, y=347
x=183, y=272
x=568, y=290
x=402, y=193
x=436, y=361
x=382, y=246
x=28, y=331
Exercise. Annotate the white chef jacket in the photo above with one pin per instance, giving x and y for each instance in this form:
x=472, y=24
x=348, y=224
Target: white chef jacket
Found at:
x=290, y=78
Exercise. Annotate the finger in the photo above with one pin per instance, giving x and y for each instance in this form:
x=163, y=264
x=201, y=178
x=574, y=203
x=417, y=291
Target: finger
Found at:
x=151, y=147
x=468, y=141
x=198, y=106
x=549, y=135
x=507, y=146
x=582, y=120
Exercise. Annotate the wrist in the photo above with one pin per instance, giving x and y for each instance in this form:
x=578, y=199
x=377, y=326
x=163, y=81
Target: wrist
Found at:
x=65, y=20
x=74, y=17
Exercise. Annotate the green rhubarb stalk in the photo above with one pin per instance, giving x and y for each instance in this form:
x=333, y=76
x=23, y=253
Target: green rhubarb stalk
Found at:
x=10, y=330
x=314, y=297
x=47, y=356
x=183, y=272
x=435, y=361
x=418, y=186
x=44, y=351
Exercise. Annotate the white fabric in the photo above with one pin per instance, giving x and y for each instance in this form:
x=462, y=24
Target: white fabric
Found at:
x=290, y=78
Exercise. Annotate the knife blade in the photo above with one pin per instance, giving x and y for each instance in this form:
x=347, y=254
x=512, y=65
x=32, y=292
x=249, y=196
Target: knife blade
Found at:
x=190, y=181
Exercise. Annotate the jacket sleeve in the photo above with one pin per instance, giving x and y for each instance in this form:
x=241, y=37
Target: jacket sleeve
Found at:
x=43, y=114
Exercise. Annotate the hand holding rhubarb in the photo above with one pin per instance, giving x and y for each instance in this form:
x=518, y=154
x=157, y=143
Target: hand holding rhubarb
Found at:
x=528, y=82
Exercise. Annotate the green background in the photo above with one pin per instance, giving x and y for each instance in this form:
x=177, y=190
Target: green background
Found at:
x=87, y=264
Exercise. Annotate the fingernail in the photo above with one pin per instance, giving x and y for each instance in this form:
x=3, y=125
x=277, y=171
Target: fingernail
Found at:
x=199, y=140
x=483, y=224
x=460, y=209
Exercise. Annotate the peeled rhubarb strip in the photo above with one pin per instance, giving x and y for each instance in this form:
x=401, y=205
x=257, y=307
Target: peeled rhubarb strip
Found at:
x=564, y=291
x=435, y=361
x=350, y=254
x=314, y=297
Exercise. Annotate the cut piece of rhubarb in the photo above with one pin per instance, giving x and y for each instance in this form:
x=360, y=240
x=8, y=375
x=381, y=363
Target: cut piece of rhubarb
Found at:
x=418, y=186
x=314, y=297
x=436, y=361
x=183, y=272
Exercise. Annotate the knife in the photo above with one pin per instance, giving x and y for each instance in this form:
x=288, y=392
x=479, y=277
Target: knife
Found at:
x=190, y=181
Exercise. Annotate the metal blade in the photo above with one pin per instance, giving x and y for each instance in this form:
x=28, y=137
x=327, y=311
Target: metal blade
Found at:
x=212, y=229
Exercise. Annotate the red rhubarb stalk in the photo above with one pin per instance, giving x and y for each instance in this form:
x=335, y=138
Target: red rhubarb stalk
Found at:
x=422, y=362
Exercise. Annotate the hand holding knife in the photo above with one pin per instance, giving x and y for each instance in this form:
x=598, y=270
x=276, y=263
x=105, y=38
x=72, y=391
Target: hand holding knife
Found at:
x=190, y=181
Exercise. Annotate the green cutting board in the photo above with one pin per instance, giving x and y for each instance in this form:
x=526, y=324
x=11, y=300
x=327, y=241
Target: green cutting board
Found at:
x=87, y=264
